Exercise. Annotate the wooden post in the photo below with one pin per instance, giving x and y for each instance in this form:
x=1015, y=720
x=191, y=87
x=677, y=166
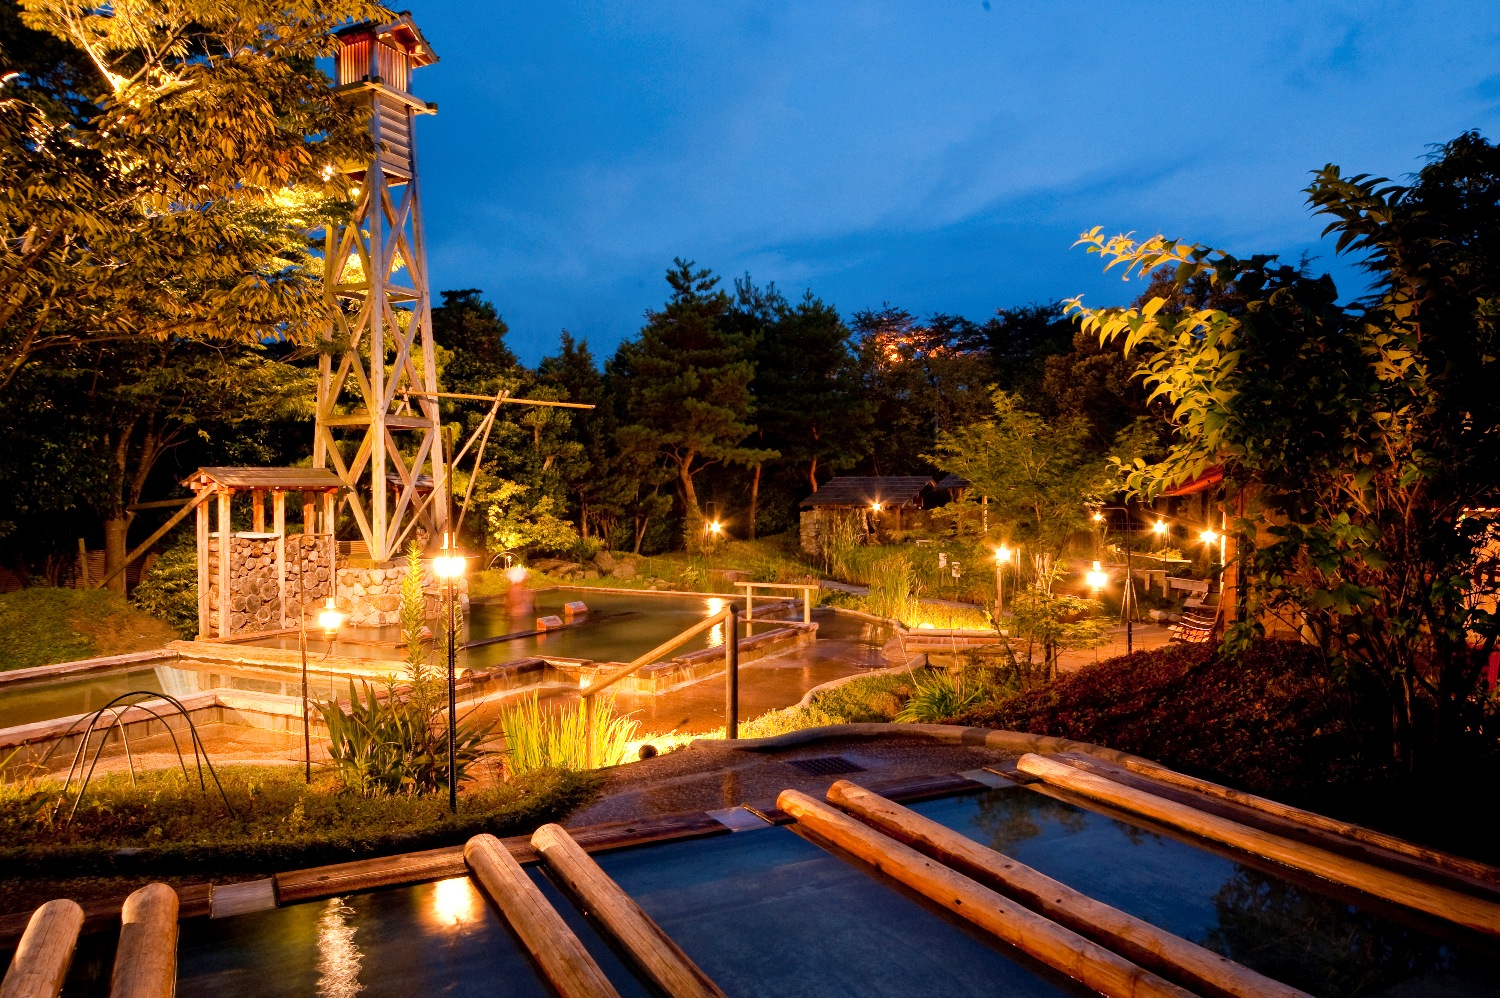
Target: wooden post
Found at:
x=732, y=676
x=204, y=611
x=44, y=952
x=1042, y=939
x=1441, y=902
x=563, y=961
x=226, y=543
x=278, y=523
x=146, y=957
x=83, y=564
x=258, y=510
x=807, y=605
x=309, y=515
x=1203, y=971
x=328, y=517
x=660, y=959
x=750, y=602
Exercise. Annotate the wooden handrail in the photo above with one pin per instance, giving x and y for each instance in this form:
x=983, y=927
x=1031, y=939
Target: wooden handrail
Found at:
x=671, y=644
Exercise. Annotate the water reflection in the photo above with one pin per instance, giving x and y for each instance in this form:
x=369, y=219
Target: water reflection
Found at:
x=455, y=901
x=338, y=957
x=716, y=633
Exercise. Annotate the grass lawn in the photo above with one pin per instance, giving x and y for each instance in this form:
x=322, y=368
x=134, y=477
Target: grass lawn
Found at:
x=162, y=825
x=42, y=626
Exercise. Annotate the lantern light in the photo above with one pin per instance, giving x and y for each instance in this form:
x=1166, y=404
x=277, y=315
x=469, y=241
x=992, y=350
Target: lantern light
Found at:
x=329, y=618
x=1096, y=577
x=875, y=506
x=1098, y=517
x=1159, y=527
x=1002, y=554
x=715, y=527
x=1209, y=537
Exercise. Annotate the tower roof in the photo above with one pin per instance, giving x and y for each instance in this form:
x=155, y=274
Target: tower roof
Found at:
x=402, y=33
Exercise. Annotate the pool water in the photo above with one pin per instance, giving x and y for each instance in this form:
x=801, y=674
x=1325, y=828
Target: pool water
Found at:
x=762, y=912
x=1323, y=945
x=619, y=627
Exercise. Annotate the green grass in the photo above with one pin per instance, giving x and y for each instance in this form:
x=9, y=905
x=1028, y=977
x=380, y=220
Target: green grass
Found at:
x=43, y=626
x=585, y=734
x=277, y=822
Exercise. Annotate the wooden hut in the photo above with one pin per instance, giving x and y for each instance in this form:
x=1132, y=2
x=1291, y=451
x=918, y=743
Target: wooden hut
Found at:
x=882, y=504
x=269, y=575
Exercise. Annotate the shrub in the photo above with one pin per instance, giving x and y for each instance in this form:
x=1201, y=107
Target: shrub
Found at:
x=278, y=822
x=559, y=737
x=1265, y=720
x=169, y=589
x=892, y=585
x=396, y=742
x=944, y=695
x=788, y=719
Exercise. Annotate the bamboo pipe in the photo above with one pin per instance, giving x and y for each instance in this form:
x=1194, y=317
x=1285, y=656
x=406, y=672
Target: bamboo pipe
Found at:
x=1205, y=972
x=146, y=957
x=46, y=949
x=1040, y=938
x=1358, y=833
x=1441, y=902
x=563, y=961
x=654, y=952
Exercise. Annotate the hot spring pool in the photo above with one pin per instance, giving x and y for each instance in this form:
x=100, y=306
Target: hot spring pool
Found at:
x=1291, y=931
x=767, y=912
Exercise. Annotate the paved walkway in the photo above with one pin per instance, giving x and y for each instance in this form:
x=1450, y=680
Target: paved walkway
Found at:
x=1146, y=638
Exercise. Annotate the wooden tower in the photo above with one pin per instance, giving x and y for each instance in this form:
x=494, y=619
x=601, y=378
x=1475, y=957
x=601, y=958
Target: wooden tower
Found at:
x=383, y=441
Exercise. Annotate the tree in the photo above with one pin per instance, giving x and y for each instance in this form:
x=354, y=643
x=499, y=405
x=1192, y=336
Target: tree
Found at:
x=1021, y=343
x=921, y=379
x=148, y=168
x=1038, y=473
x=1357, y=439
x=687, y=389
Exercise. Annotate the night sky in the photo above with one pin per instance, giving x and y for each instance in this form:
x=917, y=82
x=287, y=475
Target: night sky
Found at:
x=938, y=155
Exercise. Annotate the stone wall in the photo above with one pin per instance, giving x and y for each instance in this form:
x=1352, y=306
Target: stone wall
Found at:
x=371, y=595
x=254, y=604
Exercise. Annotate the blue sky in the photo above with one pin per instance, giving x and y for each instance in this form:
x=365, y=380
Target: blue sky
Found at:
x=939, y=155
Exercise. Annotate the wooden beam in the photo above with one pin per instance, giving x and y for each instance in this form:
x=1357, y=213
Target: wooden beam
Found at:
x=146, y=956
x=258, y=510
x=1449, y=905
x=226, y=541
x=278, y=521
x=660, y=959
x=161, y=531
x=1042, y=939
x=1205, y=972
x=203, y=604
x=160, y=504
x=46, y=949
x=559, y=955
x=500, y=398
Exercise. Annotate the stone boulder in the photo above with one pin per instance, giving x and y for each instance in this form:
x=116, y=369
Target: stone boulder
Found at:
x=623, y=570
x=605, y=561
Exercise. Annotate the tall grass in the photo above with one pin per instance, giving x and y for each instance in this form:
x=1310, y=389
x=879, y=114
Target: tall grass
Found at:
x=893, y=589
x=558, y=737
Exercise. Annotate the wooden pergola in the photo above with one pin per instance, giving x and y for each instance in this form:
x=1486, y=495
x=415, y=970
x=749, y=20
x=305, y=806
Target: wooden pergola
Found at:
x=319, y=489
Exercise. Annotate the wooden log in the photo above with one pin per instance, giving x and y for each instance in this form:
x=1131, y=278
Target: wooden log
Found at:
x=1190, y=965
x=46, y=949
x=653, y=951
x=278, y=522
x=1449, y=905
x=563, y=961
x=1040, y=938
x=1312, y=832
x=1456, y=864
x=146, y=957
x=203, y=606
x=226, y=555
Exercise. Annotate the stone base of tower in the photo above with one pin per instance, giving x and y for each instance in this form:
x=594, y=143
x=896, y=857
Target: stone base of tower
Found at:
x=370, y=594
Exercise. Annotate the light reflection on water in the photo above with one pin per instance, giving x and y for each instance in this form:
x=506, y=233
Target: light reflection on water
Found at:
x=716, y=633
x=338, y=957
x=455, y=901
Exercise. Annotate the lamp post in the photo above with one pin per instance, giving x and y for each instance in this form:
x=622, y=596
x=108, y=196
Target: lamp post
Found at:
x=449, y=565
x=329, y=618
x=1002, y=555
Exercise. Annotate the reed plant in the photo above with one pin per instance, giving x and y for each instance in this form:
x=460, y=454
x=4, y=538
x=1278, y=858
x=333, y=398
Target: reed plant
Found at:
x=893, y=586
x=560, y=737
